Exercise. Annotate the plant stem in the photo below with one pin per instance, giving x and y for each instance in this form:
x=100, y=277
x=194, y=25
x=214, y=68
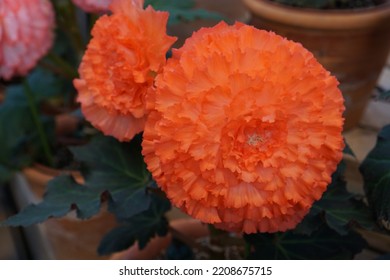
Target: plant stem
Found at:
x=56, y=70
x=74, y=28
x=41, y=133
x=68, y=23
x=247, y=250
x=65, y=66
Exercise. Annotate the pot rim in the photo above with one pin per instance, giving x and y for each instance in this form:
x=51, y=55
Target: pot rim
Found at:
x=40, y=170
x=362, y=18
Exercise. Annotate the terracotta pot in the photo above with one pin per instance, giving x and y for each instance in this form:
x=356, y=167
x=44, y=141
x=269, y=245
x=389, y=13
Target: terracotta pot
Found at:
x=68, y=237
x=231, y=10
x=192, y=229
x=39, y=175
x=378, y=241
x=74, y=239
x=352, y=45
x=66, y=124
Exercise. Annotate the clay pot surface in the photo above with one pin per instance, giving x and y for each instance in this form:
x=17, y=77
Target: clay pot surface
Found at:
x=39, y=175
x=66, y=124
x=352, y=44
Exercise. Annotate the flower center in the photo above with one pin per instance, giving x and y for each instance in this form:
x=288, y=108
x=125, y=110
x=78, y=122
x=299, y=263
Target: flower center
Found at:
x=254, y=139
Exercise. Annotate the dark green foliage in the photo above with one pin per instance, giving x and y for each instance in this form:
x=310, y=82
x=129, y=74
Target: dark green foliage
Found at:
x=19, y=142
x=44, y=84
x=118, y=169
x=63, y=194
x=164, y=4
x=376, y=174
x=338, y=208
x=178, y=250
x=325, y=233
x=383, y=95
x=182, y=10
x=5, y=174
x=141, y=227
x=323, y=243
x=112, y=169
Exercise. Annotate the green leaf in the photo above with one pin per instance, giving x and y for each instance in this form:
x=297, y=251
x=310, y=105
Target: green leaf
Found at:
x=324, y=243
x=182, y=10
x=178, y=250
x=15, y=125
x=338, y=208
x=344, y=213
x=312, y=222
x=376, y=175
x=5, y=174
x=141, y=227
x=178, y=15
x=117, y=168
x=383, y=95
x=62, y=195
x=43, y=83
x=166, y=4
x=19, y=141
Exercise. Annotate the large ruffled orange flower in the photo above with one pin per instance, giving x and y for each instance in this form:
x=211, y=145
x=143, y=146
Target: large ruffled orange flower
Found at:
x=126, y=52
x=26, y=34
x=246, y=129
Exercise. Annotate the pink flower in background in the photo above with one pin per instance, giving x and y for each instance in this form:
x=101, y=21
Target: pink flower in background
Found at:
x=26, y=34
x=93, y=6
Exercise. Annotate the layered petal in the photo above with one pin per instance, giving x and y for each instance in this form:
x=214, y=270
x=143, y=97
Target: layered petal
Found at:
x=245, y=130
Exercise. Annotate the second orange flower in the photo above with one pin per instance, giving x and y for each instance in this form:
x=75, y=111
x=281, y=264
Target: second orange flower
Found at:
x=117, y=71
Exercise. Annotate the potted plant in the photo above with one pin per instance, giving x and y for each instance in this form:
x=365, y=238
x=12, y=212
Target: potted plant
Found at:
x=350, y=38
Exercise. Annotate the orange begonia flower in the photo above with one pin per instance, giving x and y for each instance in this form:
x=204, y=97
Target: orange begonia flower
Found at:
x=246, y=129
x=26, y=34
x=126, y=52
